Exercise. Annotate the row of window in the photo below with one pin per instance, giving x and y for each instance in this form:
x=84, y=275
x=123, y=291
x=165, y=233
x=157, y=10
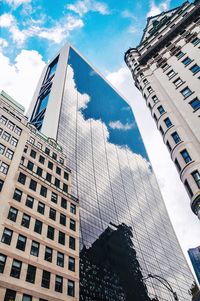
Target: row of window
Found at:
x=46, y=150
x=43, y=190
x=10, y=295
x=13, y=212
x=10, y=125
x=7, y=137
x=31, y=276
x=41, y=206
x=50, y=164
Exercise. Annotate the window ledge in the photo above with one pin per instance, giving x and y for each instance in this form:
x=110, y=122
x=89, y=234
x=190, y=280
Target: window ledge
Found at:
x=188, y=95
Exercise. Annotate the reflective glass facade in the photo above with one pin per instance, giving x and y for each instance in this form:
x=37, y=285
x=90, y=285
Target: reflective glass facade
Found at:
x=195, y=259
x=125, y=229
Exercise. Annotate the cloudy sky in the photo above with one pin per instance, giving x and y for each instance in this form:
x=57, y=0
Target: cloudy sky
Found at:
x=32, y=31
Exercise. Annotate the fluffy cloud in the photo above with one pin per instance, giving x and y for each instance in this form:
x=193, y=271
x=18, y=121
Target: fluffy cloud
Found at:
x=84, y=6
x=3, y=43
x=20, y=79
x=157, y=9
x=57, y=33
x=117, y=125
x=16, y=3
x=177, y=202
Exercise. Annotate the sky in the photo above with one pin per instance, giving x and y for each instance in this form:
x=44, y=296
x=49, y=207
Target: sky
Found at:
x=32, y=31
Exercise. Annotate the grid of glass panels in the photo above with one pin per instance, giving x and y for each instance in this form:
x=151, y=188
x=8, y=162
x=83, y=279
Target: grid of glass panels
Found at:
x=113, y=179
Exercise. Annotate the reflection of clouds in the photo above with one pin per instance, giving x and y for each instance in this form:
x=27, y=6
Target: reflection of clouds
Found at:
x=116, y=185
x=117, y=125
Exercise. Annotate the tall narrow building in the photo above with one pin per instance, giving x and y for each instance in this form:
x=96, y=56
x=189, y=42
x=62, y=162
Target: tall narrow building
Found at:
x=194, y=255
x=39, y=218
x=166, y=69
x=125, y=231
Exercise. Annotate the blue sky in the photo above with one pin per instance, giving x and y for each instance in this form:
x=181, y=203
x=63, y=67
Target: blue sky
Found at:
x=101, y=31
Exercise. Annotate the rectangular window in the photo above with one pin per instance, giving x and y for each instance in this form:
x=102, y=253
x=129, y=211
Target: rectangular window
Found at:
x=59, y=284
x=10, y=295
x=186, y=156
x=30, y=165
x=41, y=159
x=9, y=154
x=177, y=165
x=6, y=136
x=38, y=226
x=10, y=125
x=60, y=259
x=21, y=242
x=33, y=153
x=71, y=264
x=149, y=89
x=61, y=160
x=63, y=203
x=46, y=276
x=2, y=149
x=186, y=92
x=195, y=41
x=2, y=262
x=50, y=232
x=52, y=68
x=12, y=214
x=196, y=177
x=52, y=214
x=48, y=254
x=47, y=151
x=195, y=103
x=57, y=182
x=54, y=197
x=168, y=146
x=16, y=268
x=26, y=220
x=63, y=219
x=161, y=110
x=72, y=225
x=41, y=208
x=26, y=298
x=186, y=61
x=72, y=242
x=3, y=119
x=35, y=247
x=61, y=238
x=170, y=74
x=195, y=68
x=50, y=165
x=43, y=191
x=189, y=190
x=66, y=176
x=71, y=288
x=176, y=137
x=54, y=156
x=7, y=236
x=48, y=177
x=17, y=195
x=4, y=168
x=29, y=201
x=179, y=55
x=165, y=67
x=18, y=130
x=13, y=141
x=1, y=184
x=39, y=145
x=33, y=185
x=22, y=178
x=178, y=82
x=73, y=208
x=65, y=187
x=32, y=140
x=167, y=122
x=58, y=170
x=39, y=171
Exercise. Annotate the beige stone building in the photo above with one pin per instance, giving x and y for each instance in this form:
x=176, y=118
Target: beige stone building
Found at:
x=166, y=69
x=39, y=218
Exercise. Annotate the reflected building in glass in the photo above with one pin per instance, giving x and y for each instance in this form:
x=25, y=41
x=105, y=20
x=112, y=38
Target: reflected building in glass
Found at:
x=125, y=229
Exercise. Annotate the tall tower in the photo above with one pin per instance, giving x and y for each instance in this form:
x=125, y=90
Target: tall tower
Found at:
x=114, y=182
x=166, y=69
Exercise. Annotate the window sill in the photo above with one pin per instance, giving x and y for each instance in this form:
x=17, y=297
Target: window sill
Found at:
x=188, y=95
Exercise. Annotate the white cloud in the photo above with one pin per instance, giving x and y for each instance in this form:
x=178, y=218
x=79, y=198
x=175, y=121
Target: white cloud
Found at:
x=6, y=20
x=117, y=125
x=157, y=9
x=20, y=79
x=176, y=199
x=82, y=7
x=57, y=33
x=16, y=3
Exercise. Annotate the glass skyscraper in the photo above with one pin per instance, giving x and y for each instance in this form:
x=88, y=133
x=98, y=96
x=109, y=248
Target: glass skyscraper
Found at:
x=194, y=254
x=125, y=229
